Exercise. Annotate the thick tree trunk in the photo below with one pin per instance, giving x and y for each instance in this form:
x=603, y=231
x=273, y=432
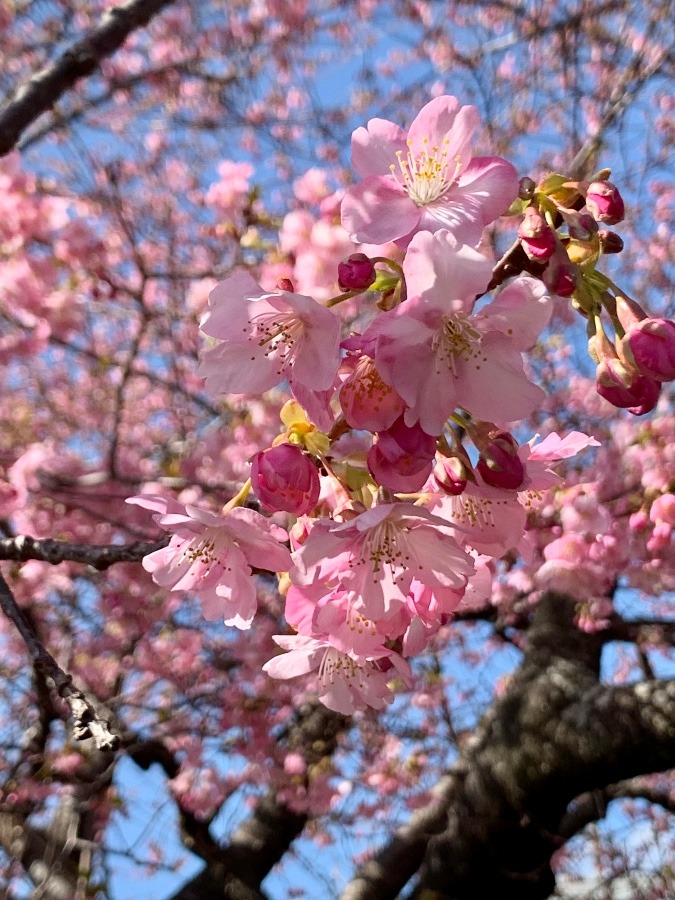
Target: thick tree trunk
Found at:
x=556, y=733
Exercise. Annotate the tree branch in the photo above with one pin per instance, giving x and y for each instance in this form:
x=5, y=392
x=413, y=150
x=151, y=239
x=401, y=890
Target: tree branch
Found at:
x=22, y=548
x=43, y=90
x=236, y=872
x=592, y=806
x=86, y=721
x=556, y=734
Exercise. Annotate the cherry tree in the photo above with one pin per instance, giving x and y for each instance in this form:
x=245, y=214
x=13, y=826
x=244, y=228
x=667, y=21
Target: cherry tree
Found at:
x=336, y=473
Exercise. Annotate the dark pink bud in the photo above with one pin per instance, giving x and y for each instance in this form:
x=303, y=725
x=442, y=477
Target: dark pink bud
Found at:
x=356, y=273
x=449, y=475
x=285, y=479
x=604, y=202
x=649, y=346
x=582, y=227
x=285, y=284
x=536, y=235
x=499, y=464
x=624, y=389
x=610, y=241
x=561, y=278
x=402, y=458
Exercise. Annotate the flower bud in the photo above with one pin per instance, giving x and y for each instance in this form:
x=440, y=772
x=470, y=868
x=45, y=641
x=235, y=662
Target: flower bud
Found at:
x=367, y=402
x=526, y=188
x=649, y=346
x=561, y=277
x=604, y=202
x=610, y=241
x=536, y=235
x=449, y=475
x=581, y=226
x=499, y=464
x=402, y=458
x=356, y=273
x=285, y=479
x=625, y=389
x=285, y=284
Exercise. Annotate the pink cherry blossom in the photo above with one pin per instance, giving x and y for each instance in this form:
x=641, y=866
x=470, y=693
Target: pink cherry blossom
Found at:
x=265, y=338
x=425, y=179
x=438, y=355
x=347, y=682
x=212, y=556
x=376, y=555
x=492, y=519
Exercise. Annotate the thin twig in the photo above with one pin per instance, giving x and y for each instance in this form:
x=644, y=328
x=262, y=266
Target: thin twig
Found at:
x=86, y=722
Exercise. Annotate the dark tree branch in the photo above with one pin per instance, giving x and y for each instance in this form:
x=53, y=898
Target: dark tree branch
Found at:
x=556, y=734
x=22, y=548
x=592, y=806
x=38, y=854
x=237, y=870
x=86, y=721
x=43, y=90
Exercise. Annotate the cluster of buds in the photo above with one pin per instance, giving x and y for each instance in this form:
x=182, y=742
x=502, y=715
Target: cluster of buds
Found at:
x=563, y=234
x=563, y=225
x=631, y=369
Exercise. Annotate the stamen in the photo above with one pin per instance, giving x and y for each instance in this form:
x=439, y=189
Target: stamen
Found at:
x=427, y=176
x=456, y=340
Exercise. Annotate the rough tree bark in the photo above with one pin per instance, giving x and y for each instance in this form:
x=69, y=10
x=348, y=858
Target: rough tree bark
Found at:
x=556, y=733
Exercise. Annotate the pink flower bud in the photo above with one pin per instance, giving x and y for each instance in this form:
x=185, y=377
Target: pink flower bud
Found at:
x=285, y=478
x=367, y=402
x=356, y=273
x=649, y=346
x=638, y=521
x=402, y=458
x=629, y=312
x=663, y=510
x=604, y=202
x=536, y=235
x=449, y=475
x=581, y=226
x=561, y=277
x=499, y=464
x=624, y=389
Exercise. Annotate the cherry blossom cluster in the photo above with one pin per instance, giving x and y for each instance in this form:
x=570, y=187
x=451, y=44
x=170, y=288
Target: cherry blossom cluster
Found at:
x=397, y=480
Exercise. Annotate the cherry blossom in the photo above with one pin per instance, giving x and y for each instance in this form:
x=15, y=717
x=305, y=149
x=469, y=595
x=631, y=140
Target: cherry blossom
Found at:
x=425, y=179
x=438, y=354
x=376, y=555
x=265, y=338
x=347, y=682
x=212, y=556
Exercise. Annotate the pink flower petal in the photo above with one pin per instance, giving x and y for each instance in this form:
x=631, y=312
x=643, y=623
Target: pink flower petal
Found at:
x=444, y=124
x=374, y=148
x=492, y=182
x=377, y=210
